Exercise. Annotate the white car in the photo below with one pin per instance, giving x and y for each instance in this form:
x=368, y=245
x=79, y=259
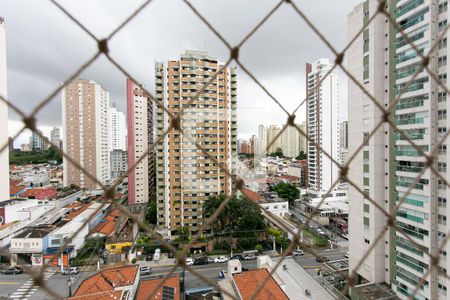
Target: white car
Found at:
x=297, y=252
x=71, y=271
x=345, y=236
x=346, y=254
x=189, y=261
x=250, y=257
x=220, y=259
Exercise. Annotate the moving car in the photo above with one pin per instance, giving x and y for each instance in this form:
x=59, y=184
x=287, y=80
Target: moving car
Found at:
x=220, y=259
x=145, y=270
x=238, y=256
x=12, y=271
x=71, y=271
x=201, y=261
x=346, y=254
x=189, y=261
x=322, y=259
x=345, y=236
x=297, y=252
x=221, y=274
x=250, y=256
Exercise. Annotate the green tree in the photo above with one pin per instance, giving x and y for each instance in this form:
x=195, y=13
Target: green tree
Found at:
x=301, y=156
x=277, y=153
x=150, y=216
x=287, y=191
x=238, y=214
x=183, y=234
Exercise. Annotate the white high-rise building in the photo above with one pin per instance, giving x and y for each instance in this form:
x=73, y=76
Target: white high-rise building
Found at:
x=141, y=179
x=4, y=155
x=85, y=107
x=55, y=137
x=117, y=129
x=262, y=140
x=388, y=165
x=344, y=141
x=323, y=127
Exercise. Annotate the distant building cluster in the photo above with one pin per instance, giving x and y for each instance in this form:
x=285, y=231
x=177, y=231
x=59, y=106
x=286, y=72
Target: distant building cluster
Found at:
x=291, y=142
x=246, y=146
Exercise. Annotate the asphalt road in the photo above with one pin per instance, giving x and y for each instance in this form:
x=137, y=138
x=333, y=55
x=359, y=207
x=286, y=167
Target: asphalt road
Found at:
x=11, y=285
x=210, y=271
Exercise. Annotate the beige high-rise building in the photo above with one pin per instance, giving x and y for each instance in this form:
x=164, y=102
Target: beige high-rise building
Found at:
x=291, y=141
x=85, y=108
x=4, y=155
x=186, y=177
x=272, y=133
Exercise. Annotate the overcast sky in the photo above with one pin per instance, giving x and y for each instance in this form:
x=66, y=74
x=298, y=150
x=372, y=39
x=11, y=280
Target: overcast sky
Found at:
x=44, y=47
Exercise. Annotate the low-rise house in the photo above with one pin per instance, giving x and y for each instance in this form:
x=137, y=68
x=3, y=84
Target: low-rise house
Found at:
x=40, y=193
x=269, y=201
x=159, y=288
x=115, y=283
x=28, y=247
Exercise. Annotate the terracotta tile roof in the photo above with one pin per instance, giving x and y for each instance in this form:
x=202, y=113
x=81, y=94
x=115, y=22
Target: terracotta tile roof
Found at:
x=100, y=296
x=290, y=178
x=247, y=283
x=107, y=280
x=75, y=213
x=16, y=189
x=147, y=288
x=40, y=193
x=252, y=196
x=74, y=204
x=14, y=182
x=108, y=225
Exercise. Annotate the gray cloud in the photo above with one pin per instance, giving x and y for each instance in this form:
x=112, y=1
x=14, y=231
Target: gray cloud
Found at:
x=44, y=47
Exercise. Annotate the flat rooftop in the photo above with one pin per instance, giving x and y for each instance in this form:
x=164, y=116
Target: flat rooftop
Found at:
x=373, y=291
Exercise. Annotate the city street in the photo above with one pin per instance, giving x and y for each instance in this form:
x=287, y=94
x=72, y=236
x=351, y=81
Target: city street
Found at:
x=343, y=243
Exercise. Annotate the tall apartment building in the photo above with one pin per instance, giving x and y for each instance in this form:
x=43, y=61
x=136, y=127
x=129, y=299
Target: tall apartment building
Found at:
x=118, y=163
x=384, y=62
x=55, y=136
x=272, y=132
x=303, y=141
x=85, y=106
x=141, y=180
x=323, y=126
x=344, y=141
x=117, y=129
x=261, y=140
x=185, y=176
x=36, y=141
x=4, y=155
x=291, y=141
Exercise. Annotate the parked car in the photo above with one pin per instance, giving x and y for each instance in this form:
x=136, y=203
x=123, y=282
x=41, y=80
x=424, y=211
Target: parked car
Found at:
x=189, y=261
x=148, y=257
x=250, y=257
x=220, y=259
x=145, y=270
x=170, y=255
x=12, y=271
x=71, y=271
x=157, y=254
x=297, y=252
x=322, y=259
x=346, y=254
x=201, y=261
x=345, y=236
x=238, y=256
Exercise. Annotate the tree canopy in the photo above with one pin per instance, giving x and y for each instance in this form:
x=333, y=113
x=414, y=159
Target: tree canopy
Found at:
x=238, y=214
x=301, y=156
x=287, y=191
x=277, y=153
x=34, y=157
